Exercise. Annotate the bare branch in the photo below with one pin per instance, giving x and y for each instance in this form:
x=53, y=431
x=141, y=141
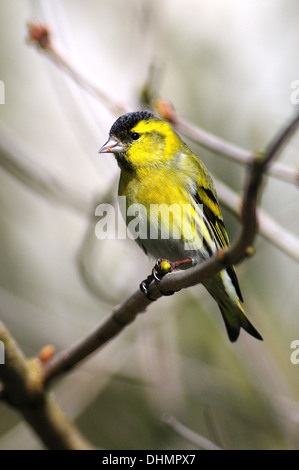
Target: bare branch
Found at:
x=23, y=389
x=19, y=162
x=40, y=36
x=280, y=140
x=126, y=312
x=220, y=146
x=189, y=435
x=268, y=228
x=120, y=317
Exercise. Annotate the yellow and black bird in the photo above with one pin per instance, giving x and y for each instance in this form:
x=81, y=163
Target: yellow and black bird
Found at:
x=158, y=170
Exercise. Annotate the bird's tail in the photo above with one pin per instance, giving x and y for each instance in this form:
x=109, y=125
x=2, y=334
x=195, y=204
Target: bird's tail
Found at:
x=230, y=306
x=235, y=321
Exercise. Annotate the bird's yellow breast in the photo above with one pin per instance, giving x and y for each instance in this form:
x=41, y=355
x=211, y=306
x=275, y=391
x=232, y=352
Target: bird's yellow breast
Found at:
x=152, y=186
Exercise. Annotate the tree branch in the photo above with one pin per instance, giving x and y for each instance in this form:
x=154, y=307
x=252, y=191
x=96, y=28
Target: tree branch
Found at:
x=220, y=146
x=189, y=435
x=18, y=162
x=268, y=228
x=41, y=37
x=23, y=388
x=127, y=311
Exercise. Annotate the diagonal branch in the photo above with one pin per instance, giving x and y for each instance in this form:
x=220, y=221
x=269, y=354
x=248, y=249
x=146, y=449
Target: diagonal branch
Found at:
x=268, y=228
x=19, y=162
x=188, y=434
x=221, y=146
x=126, y=312
x=41, y=36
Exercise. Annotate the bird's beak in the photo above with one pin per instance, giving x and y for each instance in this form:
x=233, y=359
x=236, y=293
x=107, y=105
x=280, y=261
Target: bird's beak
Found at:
x=112, y=146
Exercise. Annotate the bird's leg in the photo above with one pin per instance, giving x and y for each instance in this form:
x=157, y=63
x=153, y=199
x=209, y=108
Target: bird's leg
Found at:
x=162, y=266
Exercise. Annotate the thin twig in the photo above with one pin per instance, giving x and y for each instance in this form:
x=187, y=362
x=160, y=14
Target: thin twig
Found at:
x=221, y=146
x=40, y=36
x=19, y=162
x=268, y=228
x=280, y=140
x=95, y=286
x=188, y=434
x=233, y=152
x=111, y=326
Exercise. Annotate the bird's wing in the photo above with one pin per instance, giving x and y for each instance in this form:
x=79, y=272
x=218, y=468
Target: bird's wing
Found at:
x=206, y=195
x=199, y=183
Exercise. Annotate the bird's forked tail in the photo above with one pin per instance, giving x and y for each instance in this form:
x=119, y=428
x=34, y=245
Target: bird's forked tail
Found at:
x=223, y=291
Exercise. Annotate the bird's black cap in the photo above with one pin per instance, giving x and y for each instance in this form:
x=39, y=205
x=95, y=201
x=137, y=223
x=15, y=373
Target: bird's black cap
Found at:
x=126, y=122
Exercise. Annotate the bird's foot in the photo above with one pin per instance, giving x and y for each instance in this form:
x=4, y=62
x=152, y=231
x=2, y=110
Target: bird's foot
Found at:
x=162, y=267
x=144, y=285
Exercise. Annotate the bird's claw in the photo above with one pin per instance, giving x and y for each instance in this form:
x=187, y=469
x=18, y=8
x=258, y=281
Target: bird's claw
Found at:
x=162, y=266
x=144, y=286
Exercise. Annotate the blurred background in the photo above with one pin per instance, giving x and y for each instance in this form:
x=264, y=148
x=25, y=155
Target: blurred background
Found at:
x=226, y=66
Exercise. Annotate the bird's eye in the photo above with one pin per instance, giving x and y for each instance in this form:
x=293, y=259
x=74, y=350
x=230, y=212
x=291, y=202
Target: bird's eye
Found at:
x=135, y=135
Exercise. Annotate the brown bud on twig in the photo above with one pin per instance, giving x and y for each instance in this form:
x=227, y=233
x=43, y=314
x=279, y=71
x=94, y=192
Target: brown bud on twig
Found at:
x=166, y=110
x=39, y=34
x=46, y=353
